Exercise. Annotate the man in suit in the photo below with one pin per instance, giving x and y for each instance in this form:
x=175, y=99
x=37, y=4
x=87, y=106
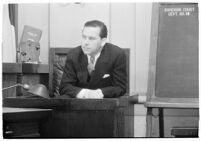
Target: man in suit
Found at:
x=95, y=69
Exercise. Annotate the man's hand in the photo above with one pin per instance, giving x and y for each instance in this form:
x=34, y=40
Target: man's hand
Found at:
x=94, y=94
x=90, y=94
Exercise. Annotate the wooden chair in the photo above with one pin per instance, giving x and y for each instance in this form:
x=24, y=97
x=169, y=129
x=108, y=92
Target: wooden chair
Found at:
x=57, y=61
x=57, y=58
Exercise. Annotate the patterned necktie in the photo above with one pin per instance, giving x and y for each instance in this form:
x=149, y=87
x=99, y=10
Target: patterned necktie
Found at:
x=90, y=66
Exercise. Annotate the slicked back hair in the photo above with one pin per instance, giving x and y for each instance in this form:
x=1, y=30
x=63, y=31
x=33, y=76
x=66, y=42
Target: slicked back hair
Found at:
x=101, y=25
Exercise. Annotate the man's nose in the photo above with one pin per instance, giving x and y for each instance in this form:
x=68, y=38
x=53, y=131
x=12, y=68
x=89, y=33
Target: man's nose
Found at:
x=86, y=41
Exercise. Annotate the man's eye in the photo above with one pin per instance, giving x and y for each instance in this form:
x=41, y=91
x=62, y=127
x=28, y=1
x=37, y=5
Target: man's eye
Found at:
x=92, y=38
x=84, y=37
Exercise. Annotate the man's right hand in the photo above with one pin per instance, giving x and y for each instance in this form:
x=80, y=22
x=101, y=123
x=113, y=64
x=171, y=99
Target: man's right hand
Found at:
x=90, y=94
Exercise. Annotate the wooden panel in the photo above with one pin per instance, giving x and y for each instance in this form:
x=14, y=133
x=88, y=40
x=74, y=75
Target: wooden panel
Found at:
x=184, y=132
x=129, y=126
x=80, y=124
x=66, y=103
x=33, y=79
x=34, y=74
x=77, y=117
x=16, y=114
x=35, y=68
x=9, y=80
x=23, y=73
x=173, y=118
x=11, y=77
x=21, y=129
x=12, y=67
x=57, y=57
x=22, y=122
x=184, y=121
x=25, y=68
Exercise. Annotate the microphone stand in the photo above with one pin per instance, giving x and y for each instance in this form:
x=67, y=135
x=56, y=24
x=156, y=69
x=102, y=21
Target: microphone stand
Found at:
x=25, y=86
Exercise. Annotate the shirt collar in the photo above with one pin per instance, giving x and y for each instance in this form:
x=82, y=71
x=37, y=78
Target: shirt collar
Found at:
x=96, y=56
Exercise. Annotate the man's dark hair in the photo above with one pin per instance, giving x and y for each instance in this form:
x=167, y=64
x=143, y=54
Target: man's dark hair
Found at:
x=101, y=25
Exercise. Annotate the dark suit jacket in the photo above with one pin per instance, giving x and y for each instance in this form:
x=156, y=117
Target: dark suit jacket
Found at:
x=112, y=61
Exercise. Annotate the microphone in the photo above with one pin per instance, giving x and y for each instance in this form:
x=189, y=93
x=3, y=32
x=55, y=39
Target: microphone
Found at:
x=25, y=86
x=38, y=89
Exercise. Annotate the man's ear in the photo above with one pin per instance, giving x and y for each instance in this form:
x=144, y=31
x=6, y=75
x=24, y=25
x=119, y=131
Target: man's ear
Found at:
x=103, y=41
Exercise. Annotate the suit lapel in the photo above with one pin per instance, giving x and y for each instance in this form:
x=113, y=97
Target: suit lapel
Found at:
x=83, y=62
x=100, y=67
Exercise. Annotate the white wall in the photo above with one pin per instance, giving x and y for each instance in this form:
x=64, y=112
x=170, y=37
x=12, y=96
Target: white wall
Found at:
x=67, y=20
x=123, y=32
x=143, y=31
x=8, y=38
x=35, y=15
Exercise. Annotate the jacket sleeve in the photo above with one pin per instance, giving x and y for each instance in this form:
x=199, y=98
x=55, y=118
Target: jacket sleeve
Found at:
x=119, y=78
x=69, y=79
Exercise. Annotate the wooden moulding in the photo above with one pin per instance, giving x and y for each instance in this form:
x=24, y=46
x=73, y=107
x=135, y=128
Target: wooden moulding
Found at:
x=25, y=68
x=12, y=67
x=69, y=103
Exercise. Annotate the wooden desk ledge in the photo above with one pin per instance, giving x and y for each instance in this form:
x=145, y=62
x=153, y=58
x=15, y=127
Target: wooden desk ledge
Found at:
x=16, y=114
x=173, y=103
x=67, y=103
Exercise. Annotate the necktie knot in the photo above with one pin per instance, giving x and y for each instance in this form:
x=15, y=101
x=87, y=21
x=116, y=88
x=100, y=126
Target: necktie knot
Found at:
x=92, y=58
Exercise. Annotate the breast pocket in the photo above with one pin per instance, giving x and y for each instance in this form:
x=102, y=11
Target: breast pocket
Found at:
x=106, y=82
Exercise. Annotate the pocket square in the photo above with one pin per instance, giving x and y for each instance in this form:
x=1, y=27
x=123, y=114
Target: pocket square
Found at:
x=106, y=75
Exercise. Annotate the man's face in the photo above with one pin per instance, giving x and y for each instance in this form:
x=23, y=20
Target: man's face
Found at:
x=91, y=40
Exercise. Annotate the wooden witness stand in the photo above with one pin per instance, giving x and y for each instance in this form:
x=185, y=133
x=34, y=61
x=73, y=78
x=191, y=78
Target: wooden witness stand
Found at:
x=23, y=122
x=173, y=68
x=77, y=118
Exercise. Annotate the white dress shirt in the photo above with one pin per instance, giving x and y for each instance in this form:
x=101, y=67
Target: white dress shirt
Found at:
x=95, y=58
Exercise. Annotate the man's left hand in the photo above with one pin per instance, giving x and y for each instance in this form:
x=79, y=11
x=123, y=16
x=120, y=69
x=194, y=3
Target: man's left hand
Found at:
x=94, y=94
